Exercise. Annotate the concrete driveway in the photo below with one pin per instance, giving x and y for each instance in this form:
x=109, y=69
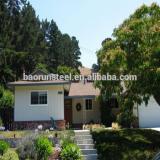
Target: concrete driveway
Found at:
x=156, y=129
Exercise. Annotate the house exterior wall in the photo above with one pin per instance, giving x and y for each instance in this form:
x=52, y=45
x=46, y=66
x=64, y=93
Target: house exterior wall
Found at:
x=26, y=112
x=77, y=115
x=85, y=116
x=94, y=114
x=148, y=116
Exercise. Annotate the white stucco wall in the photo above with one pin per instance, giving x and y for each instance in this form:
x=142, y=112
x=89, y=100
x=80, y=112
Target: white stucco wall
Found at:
x=26, y=112
x=149, y=116
x=85, y=116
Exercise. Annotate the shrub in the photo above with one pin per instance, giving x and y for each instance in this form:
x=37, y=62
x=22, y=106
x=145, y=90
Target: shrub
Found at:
x=126, y=144
x=43, y=148
x=70, y=152
x=67, y=138
x=138, y=154
x=3, y=147
x=26, y=148
x=106, y=110
x=6, y=98
x=10, y=155
x=125, y=119
x=1, y=91
x=1, y=122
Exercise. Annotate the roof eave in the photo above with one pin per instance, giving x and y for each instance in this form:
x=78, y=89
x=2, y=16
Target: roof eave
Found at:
x=81, y=96
x=35, y=84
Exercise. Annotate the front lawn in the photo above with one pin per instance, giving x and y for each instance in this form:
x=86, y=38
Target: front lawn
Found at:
x=37, y=145
x=126, y=144
x=21, y=134
x=12, y=134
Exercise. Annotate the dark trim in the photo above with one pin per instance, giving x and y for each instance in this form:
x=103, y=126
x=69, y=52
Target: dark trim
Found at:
x=37, y=84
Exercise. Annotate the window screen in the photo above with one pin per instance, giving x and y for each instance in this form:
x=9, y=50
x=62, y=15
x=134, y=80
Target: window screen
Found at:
x=39, y=97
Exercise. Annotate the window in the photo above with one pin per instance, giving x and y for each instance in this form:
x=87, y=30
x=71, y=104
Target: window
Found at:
x=88, y=104
x=38, y=97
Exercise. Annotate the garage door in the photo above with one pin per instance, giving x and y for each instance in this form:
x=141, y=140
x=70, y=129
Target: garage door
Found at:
x=149, y=116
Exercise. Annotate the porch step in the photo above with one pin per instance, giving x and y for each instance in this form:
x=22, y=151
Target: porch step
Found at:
x=86, y=146
x=84, y=140
x=81, y=137
x=82, y=132
x=88, y=151
x=90, y=157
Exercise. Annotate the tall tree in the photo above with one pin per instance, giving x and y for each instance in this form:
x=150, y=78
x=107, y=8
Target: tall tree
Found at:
x=26, y=43
x=135, y=50
x=54, y=53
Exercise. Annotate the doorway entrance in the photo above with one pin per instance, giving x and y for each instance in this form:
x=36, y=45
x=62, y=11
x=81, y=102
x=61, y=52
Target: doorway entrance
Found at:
x=68, y=110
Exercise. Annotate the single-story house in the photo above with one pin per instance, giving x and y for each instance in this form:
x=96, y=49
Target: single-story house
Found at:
x=68, y=102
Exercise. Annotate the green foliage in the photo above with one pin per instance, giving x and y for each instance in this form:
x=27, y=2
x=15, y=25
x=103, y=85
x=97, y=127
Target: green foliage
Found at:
x=136, y=144
x=7, y=98
x=1, y=91
x=3, y=147
x=42, y=67
x=10, y=155
x=26, y=149
x=1, y=122
x=124, y=119
x=95, y=68
x=25, y=41
x=70, y=151
x=64, y=70
x=134, y=50
x=106, y=110
x=43, y=148
x=138, y=155
x=67, y=138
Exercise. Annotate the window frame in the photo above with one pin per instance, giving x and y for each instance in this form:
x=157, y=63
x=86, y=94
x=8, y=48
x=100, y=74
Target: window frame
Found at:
x=89, y=99
x=38, y=104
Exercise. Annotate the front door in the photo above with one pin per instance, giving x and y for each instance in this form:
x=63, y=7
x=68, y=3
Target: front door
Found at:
x=68, y=110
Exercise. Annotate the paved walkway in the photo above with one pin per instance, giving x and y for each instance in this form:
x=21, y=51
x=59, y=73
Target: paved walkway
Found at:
x=156, y=129
x=84, y=140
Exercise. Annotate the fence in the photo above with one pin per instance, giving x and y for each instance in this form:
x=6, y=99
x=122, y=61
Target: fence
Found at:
x=7, y=116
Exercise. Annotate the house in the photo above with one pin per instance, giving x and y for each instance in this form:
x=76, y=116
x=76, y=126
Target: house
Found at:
x=66, y=102
x=148, y=115
x=69, y=102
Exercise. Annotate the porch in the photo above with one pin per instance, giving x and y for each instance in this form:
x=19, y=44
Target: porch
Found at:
x=81, y=105
x=81, y=110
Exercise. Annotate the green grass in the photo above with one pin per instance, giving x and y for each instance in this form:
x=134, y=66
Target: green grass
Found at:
x=20, y=134
x=126, y=144
x=10, y=134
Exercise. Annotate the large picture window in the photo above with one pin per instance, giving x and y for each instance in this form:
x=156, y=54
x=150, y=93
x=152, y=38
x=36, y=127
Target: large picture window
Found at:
x=38, y=97
x=88, y=104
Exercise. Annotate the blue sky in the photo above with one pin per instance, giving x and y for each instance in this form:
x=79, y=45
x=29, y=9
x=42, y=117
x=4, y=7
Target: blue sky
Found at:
x=91, y=21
